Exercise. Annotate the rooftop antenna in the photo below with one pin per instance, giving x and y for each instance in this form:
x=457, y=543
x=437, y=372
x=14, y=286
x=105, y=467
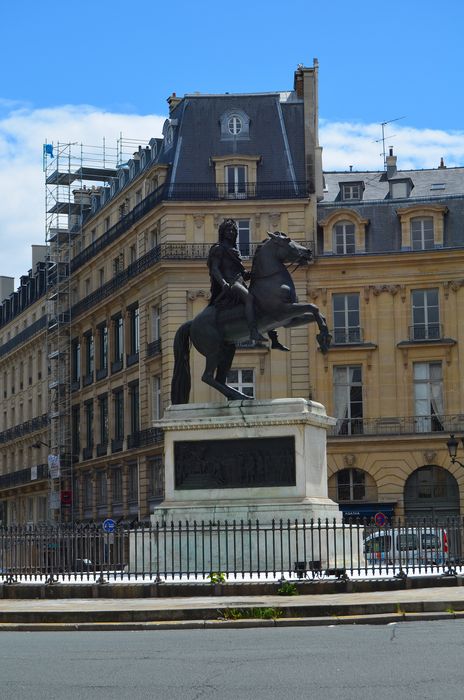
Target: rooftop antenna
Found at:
x=382, y=140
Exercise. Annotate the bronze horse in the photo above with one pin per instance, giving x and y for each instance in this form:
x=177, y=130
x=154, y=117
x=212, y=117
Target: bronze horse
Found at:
x=215, y=330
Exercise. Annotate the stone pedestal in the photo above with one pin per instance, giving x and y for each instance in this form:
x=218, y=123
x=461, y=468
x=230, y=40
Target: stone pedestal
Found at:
x=246, y=460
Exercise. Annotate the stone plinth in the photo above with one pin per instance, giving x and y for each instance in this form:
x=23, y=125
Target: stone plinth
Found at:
x=247, y=460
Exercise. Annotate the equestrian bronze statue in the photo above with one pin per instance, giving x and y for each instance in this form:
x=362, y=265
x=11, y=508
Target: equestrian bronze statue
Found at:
x=237, y=313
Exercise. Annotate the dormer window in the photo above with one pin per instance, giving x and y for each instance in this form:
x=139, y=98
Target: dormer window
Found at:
x=344, y=238
x=234, y=124
x=351, y=190
x=400, y=188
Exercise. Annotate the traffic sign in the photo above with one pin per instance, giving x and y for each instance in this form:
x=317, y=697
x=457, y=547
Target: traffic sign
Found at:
x=380, y=519
x=109, y=525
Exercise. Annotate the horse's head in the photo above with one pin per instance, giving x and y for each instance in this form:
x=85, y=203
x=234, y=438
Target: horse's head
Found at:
x=289, y=250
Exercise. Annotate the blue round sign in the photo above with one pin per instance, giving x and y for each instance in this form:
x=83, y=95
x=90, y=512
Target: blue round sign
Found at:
x=109, y=525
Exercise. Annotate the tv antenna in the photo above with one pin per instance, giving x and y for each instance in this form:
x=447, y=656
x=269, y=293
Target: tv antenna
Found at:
x=382, y=140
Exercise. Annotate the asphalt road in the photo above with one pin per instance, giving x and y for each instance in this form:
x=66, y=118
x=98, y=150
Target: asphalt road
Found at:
x=423, y=660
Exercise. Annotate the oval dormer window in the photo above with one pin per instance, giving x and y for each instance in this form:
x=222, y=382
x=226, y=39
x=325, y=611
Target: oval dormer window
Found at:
x=234, y=125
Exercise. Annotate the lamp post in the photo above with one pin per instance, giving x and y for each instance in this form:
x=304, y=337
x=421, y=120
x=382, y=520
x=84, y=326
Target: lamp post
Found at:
x=452, y=445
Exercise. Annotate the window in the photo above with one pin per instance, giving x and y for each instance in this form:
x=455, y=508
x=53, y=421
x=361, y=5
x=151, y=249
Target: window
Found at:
x=88, y=407
x=425, y=314
x=88, y=490
x=351, y=485
x=102, y=369
x=156, y=397
x=422, y=233
x=399, y=189
x=75, y=430
x=243, y=380
x=118, y=399
x=103, y=418
x=134, y=335
x=235, y=176
x=75, y=363
x=234, y=125
x=346, y=318
x=101, y=483
x=428, y=396
x=106, y=223
x=133, y=485
x=344, y=238
x=118, y=343
x=134, y=400
x=348, y=403
x=118, y=264
x=243, y=240
x=133, y=253
x=352, y=191
x=89, y=358
x=155, y=323
x=116, y=485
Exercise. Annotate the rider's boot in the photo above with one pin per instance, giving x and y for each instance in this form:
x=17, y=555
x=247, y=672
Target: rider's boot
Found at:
x=275, y=343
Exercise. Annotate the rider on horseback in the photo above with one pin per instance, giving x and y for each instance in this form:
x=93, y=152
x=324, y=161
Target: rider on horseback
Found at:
x=228, y=277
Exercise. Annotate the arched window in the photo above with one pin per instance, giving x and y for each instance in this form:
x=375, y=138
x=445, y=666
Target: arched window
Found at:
x=234, y=124
x=351, y=485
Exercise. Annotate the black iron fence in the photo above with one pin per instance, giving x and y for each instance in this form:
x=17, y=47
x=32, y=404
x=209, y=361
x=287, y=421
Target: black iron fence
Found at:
x=219, y=551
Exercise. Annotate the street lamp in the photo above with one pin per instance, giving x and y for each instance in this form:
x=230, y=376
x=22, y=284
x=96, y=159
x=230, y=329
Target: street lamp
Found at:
x=452, y=445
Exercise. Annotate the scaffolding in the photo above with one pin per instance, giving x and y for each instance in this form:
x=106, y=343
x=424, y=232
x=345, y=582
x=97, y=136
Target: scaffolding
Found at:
x=74, y=175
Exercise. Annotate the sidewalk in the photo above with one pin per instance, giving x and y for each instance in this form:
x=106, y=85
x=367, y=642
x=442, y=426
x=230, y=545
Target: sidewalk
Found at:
x=377, y=607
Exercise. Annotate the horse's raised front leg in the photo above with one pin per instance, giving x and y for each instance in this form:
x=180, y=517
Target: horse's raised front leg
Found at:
x=307, y=313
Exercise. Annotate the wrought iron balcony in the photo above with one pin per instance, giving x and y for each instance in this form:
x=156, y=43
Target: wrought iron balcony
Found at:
x=154, y=348
x=347, y=336
x=144, y=438
x=30, y=426
x=23, y=336
x=425, y=331
x=190, y=192
x=23, y=476
x=392, y=425
x=165, y=251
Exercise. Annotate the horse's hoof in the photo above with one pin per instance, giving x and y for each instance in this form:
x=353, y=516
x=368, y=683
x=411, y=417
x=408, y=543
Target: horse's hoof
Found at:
x=324, y=340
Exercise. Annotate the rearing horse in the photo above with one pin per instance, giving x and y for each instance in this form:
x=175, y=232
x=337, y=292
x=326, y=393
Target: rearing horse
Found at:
x=214, y=331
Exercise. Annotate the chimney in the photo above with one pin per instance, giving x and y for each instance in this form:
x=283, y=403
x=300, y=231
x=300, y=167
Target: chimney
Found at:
x=391, y=164
x=6, y=287
x=442, y=165
x=173, y=101
x=39, y=254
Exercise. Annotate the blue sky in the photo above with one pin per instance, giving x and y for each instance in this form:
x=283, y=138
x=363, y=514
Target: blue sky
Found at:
x=82, y=71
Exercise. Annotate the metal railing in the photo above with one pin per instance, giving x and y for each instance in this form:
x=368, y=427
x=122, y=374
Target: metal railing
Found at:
x=190, y=192
x=396, y=425
x=347, y=336
x=22, y=429
x=231, y=550
x=425, y=331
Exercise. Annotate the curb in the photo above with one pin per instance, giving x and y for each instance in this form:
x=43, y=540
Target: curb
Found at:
x=374, y=619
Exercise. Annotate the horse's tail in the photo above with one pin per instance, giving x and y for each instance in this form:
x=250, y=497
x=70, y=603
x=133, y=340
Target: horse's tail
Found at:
x=181, y=381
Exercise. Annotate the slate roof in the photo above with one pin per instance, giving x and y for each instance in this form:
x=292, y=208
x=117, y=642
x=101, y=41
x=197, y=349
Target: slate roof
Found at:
x=198, y=136
x=383, y=231
x=377, y=185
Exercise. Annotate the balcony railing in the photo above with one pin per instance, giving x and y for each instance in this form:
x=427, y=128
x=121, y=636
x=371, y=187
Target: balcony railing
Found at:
x=154, y=348
x=24, y=336
x=30, y=426
x=410, y=425
x=190, y=192
x=425, y=331
x=347, y=336
x=23, y=476
x=144, y=438
x=165, y=251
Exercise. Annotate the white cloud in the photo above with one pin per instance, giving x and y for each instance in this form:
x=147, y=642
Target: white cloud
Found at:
x=22, y=182
x=23, y=130
x=359, y=145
